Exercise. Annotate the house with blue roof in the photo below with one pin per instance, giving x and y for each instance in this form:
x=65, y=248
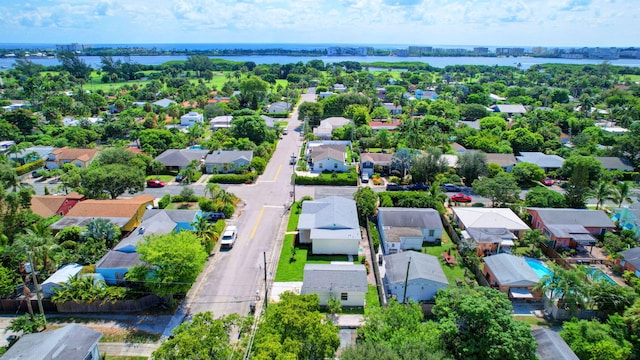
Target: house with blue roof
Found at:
x=117, y=262
x=330, y=225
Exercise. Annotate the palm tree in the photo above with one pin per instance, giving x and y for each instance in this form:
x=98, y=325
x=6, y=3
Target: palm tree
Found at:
x=212, y=190
x=101, y=230
x=621, y=193
x=602, y=193
x=226, y=197
x=39, y=243
x=586, y=103
x=206, y=232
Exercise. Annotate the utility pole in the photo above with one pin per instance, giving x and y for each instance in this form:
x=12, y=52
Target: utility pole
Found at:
x=266, y=301
x=406, y=281
x=38, y=289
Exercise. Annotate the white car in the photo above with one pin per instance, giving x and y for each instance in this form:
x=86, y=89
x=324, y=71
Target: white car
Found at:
x=364, y=178
x=229, y=237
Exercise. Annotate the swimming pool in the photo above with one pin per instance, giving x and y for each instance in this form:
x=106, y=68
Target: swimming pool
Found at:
x=596, y=274
x=538, y=267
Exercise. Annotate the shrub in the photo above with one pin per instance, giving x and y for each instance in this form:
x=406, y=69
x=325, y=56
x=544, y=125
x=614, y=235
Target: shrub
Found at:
x=375, y=236
x=21, y=170
x=335, y=179
x=164, y=201
x=247, y=178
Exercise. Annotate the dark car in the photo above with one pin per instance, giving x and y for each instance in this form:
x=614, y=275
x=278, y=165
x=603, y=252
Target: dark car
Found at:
x=394, y=187
x=180, y=177
x=418, y=187
x=451, y=188
x=213, y=216
x=34, y=174
x=153, y=183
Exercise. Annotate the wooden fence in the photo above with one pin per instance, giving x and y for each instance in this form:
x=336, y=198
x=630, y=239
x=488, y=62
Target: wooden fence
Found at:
x=376, y=270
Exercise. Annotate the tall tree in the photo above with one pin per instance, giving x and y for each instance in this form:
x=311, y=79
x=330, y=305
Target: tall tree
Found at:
x=577, y=187
x=173, y=261
x=74, y=65
x=427, y=165
x=366, y=200
x=602, y=193
x=476, y=323
x=621, y=193
x=501, y=189
x=112, y=180
x=472, y=164
x=402, y=160
x=295, y=329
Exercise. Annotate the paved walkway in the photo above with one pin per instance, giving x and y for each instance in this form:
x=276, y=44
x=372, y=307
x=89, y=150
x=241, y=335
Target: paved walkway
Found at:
x=128, y=349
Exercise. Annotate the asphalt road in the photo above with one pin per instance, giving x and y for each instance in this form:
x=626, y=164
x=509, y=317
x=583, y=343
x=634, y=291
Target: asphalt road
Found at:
x=230, y=282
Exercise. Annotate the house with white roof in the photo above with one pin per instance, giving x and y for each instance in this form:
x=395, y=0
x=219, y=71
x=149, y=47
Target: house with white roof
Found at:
x=422, y=274
x=191, y=119
x=71, y=342
x=328, y=158
x=330, y=225
x=489, y=218
x=59, y=279
x=326, y=127
x=221, y=122
x=344, y=282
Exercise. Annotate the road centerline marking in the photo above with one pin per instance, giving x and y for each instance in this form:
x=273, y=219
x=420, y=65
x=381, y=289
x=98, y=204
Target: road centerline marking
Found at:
x=277, y=173
x=255, y=227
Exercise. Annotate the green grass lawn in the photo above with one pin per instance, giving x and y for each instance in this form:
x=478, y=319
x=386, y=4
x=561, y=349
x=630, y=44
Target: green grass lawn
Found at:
x=532, y=320
x=371, y=299
x=452, y=272
x=289, y=270
x=165, y=178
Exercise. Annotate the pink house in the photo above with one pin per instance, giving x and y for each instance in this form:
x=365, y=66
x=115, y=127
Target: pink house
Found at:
x=570, y=227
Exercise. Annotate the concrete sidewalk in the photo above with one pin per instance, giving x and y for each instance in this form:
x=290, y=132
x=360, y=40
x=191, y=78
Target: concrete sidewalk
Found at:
x=128, y=349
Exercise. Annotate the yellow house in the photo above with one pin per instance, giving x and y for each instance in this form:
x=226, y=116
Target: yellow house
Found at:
x=125, y=213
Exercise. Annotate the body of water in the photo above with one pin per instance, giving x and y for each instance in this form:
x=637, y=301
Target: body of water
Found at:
x=596, y=274
x=538, y=267
x=440, y=62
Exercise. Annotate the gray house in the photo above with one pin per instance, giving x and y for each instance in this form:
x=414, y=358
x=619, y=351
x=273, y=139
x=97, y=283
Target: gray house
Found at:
x=227, y=161
x=506, y=161
x=330, y=225
x=345, y=282
x=279, y=107
x=510, y=274
x=546, y=162
x=408, y=228
x=369, y=161
x=179, y=159
x=72, y=342
x=615, y=163
x=551, y=346
x=422, y=273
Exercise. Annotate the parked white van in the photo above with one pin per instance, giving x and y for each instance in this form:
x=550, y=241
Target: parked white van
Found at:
x=229, y=237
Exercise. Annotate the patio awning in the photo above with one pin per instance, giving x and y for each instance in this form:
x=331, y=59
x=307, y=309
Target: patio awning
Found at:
x=520, y=293
x=507, y=243
x=584, y=239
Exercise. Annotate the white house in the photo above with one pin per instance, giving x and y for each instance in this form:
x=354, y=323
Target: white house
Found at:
x=191, y=119
x=73, y=341
x=59, y=279
x=345, y=282
x=328, y=157
x=404, y=229
x=330, y=225
x=421, y=272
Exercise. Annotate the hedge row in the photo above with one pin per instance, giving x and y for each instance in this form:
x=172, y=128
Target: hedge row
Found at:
x=247, y=178
x=344, y=180
x=410, y=199
x=21, y=170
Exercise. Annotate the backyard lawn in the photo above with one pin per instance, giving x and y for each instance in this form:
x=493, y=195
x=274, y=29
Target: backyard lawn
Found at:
x=371, y=299
x=452, y=272
x=164, y=178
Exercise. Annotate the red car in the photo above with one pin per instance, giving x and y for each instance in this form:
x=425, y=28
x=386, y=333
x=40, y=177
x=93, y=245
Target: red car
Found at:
x=155, y=183
x=460, y=198
x=547, y=181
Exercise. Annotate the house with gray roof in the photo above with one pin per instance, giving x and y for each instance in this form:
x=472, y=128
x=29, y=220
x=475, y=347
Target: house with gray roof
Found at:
x=570, y=227
x=117, y=262
x=221, y=122
x=228, y=161
x=330, y=225
x=403, y=229
x=369, y=162
x=163, y=103
x=271, y=122
x=31, y=154
x=71, y=342
x=345, y=282
x=59, y=279
x=326, y=127
x=329, y=158
x=546, y=162
x=612, y=163
x=551, y=346
x=510, y=274
x=393, y=108
x=630, y=260
x=509, y=109
x=179, y=159
x=279, y=107
x=506, y=161
x=490, y=240
x=422, y=273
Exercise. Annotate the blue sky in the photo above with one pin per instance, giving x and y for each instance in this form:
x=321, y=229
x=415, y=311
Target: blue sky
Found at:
x=417, y=22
